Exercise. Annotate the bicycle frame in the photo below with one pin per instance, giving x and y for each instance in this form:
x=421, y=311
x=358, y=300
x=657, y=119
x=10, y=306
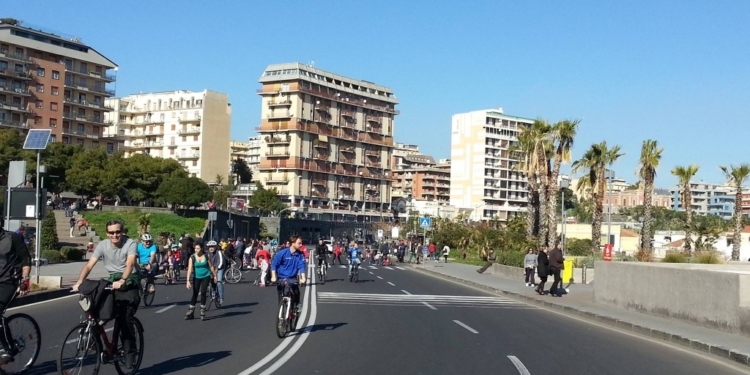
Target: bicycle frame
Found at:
x=286, y=295
x=92, y=324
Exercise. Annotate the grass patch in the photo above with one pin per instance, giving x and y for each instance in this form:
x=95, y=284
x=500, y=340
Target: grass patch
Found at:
x=160, y=222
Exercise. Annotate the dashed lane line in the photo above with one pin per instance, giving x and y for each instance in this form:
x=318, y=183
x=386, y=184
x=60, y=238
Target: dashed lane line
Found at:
x=472, y=330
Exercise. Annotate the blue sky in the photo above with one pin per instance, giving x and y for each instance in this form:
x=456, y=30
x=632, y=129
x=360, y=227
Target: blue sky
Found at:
x=677, y=72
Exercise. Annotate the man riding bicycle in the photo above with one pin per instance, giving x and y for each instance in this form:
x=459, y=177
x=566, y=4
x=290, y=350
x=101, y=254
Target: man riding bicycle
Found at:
x=286, y=265
x=119, y=255
x=220, y=262
x=322, y=253
x=13, y=255
x=147, y=257
x=353, y=255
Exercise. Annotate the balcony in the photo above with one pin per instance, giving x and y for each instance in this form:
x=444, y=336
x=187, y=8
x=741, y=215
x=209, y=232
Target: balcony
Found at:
x=317, y=143
x=321, y=156
x=133, y=109
x=370, y=187
x=15, y=90
x=320, y=194
x=278, y=139
x=280, y=103
x=347, y=149
x=376, y=164
x=17, y=107
x=349, y=114
x=78, y=133
x=277, y=153
x=84, y=103
x=343, y=99
x=99, y=120
x=15, y=56
x=71, y=83
x=372, y=153
x=373, y=119
x=346, y=185
x=313, y=128
x=89, y=73
x=172, y=144
x=322, y=108
x=188, y=156
x=194, y=130
x=372, y=198
x=320, y=182
x=17, y=74
x=275, y=115
x=343, y=160
x=13, y=124
x=194, y=120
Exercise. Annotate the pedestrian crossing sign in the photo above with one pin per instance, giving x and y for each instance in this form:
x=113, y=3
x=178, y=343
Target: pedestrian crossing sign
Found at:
x=424, y=222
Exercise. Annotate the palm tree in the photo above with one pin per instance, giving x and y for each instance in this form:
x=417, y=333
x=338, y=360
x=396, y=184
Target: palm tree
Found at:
x=542, y=147
x=685, y=174
x=594, y=163
x=650, y=157
x=529, y=152
x=737, y=176
x=563, y=134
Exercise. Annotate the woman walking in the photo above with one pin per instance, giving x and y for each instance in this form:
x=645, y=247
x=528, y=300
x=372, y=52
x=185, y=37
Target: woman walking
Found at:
x=204, y=269
x=529, y=262
x=542, y=269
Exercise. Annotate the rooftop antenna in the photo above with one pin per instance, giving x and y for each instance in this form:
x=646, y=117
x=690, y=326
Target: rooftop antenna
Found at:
x=312, y=63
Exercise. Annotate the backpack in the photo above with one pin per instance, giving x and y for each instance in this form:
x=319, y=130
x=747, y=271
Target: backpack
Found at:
x=96, y=299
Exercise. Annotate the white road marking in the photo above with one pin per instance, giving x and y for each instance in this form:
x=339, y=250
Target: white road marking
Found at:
x=373, y=267
x=391, y=284
x=388, y=268
x=343, y=266
x=428, y=305
x=371, y=273
x=39, y=303
x=74, y=340
x=400, y=268
x=380, y=278
x=519, y=365
x=165, y=309
x=405, y=292
x=472, y=330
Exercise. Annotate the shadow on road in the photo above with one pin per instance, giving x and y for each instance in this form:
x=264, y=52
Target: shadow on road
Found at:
x=48, y=367
x=236, y=305
x=229, y=315
x=324, y=327
x=181, y=363
x=365, y=281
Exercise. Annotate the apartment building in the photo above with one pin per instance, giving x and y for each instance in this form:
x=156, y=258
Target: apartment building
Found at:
x=56, y=83
x=192, y=127
x=709, y=199
x=482, y=177
x=327, y=139
x=253, y=154
x=633, y=198
x=420, y=177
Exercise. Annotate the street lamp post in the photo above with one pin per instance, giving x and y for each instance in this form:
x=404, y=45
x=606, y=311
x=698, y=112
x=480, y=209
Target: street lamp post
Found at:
x=609, y=175
x=563, y=185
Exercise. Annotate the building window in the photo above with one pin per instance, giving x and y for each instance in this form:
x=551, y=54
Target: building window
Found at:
x=66, y=140
x=53, y=123
x=55, y=74
x=80, y=142
x=184, y=138
x=55, y=91
x=40, y=72
x=195, y=138
x=39, y=88
x=52, y=138
x=53, y=106
x=173, y=127
x=39, y=104
x=110, y=148
x=37, y=120
x=171, y=151
x=195, y=163
x=81, y=128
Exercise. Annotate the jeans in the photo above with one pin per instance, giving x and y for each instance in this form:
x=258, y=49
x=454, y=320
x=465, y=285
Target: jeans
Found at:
x=295, y=290
x=126, y=304
x=200, y=285
x=530, y=275
x=352, y=262
x=557, y=282
x=220, y=284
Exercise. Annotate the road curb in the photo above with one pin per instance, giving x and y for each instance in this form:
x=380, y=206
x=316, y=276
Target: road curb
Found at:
x=40, y=297
x=732, y=355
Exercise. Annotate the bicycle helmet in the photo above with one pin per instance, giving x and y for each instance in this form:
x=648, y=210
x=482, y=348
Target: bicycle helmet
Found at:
x=211, y=243
x=146, y=237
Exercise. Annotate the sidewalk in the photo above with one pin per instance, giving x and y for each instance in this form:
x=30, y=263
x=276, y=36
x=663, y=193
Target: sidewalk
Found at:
x=70, y=272
x=580, y=302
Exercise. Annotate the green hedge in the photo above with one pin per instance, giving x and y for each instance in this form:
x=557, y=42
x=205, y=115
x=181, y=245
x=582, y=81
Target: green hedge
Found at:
x=71, y=253
x=53, y=256
x=510, y=258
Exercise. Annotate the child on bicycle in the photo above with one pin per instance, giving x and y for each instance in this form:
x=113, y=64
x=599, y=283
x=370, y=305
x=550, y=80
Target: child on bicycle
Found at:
x=168, y=263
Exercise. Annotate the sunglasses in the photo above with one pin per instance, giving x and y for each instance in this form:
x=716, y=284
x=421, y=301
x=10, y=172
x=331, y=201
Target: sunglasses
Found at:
x=114, y=233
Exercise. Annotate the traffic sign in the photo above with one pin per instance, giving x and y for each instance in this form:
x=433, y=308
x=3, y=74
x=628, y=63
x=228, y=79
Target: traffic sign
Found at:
x=211, y=215
x=424, y=222
x=380, y=233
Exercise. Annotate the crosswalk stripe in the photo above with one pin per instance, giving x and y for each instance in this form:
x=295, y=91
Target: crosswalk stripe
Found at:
x=400, y=268
x=373, y=267
x=388, y=268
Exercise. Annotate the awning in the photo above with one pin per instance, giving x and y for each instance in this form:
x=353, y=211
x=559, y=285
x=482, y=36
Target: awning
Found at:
x=323, y=138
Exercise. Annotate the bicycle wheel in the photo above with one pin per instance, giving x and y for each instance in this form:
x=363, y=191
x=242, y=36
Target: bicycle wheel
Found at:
x=215, y=297
x=26, y=341
x=281, y=319
x=232, y=275
x=148, y=294
x=356, y=274
x=81, y=352
x=120, y=357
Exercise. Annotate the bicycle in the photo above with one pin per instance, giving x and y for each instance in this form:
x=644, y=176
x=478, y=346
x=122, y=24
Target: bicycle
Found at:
x=148, y=288
x=286, y=320
x=233, y=275
x=21, y=342
x=354, y=275
x=92, y=347
x=213, y=293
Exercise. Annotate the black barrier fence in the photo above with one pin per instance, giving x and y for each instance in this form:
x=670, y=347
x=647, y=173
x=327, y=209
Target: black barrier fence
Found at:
x=241, y=225
x=312, y=230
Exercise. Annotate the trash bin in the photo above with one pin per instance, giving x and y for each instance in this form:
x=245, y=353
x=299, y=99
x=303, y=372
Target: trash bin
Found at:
x=567, y=273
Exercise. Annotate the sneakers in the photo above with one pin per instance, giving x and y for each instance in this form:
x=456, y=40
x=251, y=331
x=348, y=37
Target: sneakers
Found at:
x=5, y=356
x=151, y=288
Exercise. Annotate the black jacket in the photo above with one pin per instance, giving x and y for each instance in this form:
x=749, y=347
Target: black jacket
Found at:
x=13, y=255
x=321, y=251
x=542, y=268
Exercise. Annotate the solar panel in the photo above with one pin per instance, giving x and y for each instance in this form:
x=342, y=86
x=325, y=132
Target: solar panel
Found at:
x=37, y=139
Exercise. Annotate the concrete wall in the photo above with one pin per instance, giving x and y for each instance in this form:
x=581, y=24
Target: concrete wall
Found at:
x=519, y=274
x=714, y=296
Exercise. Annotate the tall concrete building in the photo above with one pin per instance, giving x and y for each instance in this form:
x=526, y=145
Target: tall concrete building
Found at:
x=51, y=82
x=191, y=127
x=253, y=154
x=709, y=199
x=483, y=178
x=419, y=177
x=327, y=139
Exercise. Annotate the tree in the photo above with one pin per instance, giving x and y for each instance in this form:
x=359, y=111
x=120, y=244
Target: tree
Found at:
x=184, y=191
x=86, y=175
x=49, y=231
x=685, y=174
x=570, y=200
x=737, y=175
x=11, y=148
x=266, y=200
x=58, y=158
x=221, y=194
x=531, y=153
x=563, y=135
x=594, y=163
x=650, y=157
x=242, y=171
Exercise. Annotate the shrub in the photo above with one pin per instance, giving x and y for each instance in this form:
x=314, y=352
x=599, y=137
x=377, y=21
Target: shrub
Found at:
x=49, y=231
x=708, y=257
x=71, y=253
x=578, y=247
x=675, y=258
x=587, y=261
x=643, y=255
x=510, y=258
x=53, y=256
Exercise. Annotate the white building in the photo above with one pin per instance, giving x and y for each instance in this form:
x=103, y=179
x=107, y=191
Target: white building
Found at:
x=191, y=127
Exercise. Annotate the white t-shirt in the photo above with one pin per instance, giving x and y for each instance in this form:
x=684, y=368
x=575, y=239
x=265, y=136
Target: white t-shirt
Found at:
x=446, y=250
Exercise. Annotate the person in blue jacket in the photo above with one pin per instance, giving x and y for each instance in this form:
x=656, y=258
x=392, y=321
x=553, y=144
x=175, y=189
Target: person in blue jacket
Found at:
x=286, y=265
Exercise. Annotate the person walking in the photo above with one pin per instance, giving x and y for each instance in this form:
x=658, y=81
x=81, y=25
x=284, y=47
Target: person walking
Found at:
x=542, y=269
x=446, y=252
x=556, y=265
x=529, y=262
x=491, y=257
x=72, y=226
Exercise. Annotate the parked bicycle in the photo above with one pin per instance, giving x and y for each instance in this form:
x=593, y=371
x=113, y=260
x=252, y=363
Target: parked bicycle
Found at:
x=87, y=346
x=287, y=318
x=233, y=274
x=24, y=341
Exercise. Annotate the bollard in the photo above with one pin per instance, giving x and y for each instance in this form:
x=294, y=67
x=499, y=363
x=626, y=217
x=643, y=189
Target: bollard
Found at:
x=583, y=274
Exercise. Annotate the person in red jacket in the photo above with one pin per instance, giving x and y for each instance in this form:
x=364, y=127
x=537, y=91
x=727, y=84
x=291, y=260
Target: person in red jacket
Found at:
x=304, y=251
x=337, y=254
x=432, y=252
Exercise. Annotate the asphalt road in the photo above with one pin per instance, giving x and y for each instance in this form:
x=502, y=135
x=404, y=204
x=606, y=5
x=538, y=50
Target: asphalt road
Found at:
x=396, y=321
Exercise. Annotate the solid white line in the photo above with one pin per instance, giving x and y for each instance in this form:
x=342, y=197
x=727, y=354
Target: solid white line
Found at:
x=392, y=284
x=41, y=302
x=165, y=309
x=303, y=337
x=428, y=305
x=472, y=330
x=286, y=341
x=380, y=278
x=519, y=365
x=74, y=340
